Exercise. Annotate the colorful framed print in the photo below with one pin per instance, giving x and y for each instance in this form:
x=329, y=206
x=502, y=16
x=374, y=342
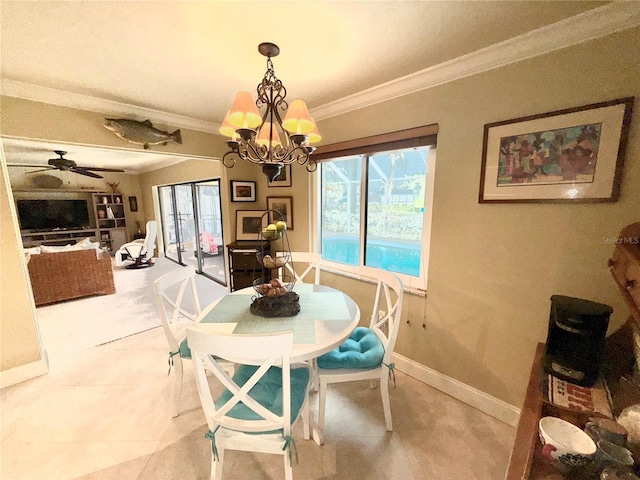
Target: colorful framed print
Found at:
x=249, y=224
x=283, y=179
x=284, y=206
x=243, y=191
x=566, y=156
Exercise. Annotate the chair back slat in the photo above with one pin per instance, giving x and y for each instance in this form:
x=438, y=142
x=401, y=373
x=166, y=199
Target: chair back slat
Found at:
x=170, y=292
x=313, y=261
x=387, y=309
x=209, y=348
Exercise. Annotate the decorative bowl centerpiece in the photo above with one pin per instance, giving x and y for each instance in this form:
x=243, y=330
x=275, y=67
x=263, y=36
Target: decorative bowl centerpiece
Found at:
x=275, y=296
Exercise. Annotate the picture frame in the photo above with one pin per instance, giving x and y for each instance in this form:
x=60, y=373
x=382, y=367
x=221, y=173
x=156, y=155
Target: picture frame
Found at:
x=283, y=205
x=283, y=179
x=133, y=204
x=249, y=224
x=242, y=191
x=565, y=156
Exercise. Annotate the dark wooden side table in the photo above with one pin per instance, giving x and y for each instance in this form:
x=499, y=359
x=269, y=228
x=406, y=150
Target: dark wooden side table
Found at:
x=244, y=266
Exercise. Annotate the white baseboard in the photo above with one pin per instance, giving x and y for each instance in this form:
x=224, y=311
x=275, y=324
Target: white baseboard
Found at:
x=458, y=390
x=22, y=373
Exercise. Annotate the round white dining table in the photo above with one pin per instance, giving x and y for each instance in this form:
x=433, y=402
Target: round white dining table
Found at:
x=326, y=319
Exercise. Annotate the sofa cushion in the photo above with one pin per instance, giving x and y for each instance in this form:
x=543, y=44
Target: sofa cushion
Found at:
x=55, y=248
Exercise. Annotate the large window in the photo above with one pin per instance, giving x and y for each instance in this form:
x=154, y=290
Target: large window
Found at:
x=375, y=208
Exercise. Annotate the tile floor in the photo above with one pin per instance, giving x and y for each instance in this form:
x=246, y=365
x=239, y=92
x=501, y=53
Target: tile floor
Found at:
x=104, y=413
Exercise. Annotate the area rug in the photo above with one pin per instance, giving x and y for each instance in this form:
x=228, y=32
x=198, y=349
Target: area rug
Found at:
x=75, y=325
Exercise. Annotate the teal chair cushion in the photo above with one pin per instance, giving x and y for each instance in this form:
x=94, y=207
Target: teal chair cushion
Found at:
x=267, y=392
x=185, y=351
x=362, y=349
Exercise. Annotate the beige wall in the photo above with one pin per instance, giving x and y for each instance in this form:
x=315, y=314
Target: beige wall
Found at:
x=492, y=267
x=19, y=343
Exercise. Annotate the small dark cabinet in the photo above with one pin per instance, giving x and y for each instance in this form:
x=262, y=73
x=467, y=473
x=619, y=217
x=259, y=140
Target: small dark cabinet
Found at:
x=244, y=266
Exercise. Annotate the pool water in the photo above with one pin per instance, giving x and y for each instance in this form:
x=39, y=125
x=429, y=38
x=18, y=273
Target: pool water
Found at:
x=400, y=258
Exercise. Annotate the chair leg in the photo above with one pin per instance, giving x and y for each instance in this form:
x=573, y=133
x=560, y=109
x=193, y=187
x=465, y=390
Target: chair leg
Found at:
x=386, y=404
x=315, y=379
x=177, y=389
x=216, y=466
x=322, y=403
x=306, y=421
x=288, y=468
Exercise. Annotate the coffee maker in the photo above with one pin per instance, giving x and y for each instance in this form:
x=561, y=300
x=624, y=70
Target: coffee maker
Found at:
x=575, y=341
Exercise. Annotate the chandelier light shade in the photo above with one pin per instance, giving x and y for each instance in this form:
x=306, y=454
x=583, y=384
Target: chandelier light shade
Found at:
x=297, y=119
x=265, y=138
x=226, y=128
x=244, y=113
x=268, y=134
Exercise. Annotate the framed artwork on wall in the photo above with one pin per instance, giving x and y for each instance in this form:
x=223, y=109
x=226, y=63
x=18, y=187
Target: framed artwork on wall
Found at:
x=133, y=204
x=243, y=191
x=284, y=206
x=566, y=156
x=283, y=179
x=249, y=224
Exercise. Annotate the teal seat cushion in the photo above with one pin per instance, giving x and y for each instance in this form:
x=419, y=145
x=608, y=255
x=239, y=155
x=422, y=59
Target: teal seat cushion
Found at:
x=267, y=392
x=363, y=349
x=185, y=351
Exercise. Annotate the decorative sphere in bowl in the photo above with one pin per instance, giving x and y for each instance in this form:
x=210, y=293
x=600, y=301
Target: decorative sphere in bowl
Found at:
x=565, y=445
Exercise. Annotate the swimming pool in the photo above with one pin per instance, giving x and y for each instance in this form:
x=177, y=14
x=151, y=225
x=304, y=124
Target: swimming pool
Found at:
x=396, y=257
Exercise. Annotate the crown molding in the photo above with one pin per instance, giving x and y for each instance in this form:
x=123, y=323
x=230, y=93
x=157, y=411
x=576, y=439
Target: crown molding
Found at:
x=593, y=24
x=36, y=93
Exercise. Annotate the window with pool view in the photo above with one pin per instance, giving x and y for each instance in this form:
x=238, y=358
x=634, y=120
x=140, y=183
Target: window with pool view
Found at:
x=372, y=209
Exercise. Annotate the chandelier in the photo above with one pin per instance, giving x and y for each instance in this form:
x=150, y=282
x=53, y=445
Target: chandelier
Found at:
x=266, y=139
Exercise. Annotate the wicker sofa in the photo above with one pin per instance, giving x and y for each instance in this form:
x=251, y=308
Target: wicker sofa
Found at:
x=71, y=274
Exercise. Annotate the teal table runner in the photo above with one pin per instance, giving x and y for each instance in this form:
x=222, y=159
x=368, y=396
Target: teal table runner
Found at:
x=314, y=306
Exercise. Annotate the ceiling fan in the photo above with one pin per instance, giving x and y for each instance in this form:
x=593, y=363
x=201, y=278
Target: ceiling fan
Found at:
x=66, y=165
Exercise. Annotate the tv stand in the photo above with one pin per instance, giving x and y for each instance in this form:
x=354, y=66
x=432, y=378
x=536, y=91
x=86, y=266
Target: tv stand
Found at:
x=56, y=237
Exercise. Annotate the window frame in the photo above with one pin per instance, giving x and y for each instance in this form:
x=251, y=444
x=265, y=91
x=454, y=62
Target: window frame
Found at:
x=366, y=147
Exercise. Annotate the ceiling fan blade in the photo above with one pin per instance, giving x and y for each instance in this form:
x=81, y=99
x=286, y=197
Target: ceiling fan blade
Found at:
x=83, y=171
x=98, y=169
x=41, y=170
x=27, y=165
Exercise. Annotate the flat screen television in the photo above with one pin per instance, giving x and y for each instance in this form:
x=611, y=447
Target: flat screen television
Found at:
x=41, y=215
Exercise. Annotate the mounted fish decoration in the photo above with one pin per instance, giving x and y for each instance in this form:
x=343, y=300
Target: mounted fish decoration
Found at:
x=142, y=133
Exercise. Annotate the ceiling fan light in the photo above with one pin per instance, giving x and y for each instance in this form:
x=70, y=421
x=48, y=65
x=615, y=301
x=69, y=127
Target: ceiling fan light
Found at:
x=263, y=135
x=298, y=119
x=244, y=113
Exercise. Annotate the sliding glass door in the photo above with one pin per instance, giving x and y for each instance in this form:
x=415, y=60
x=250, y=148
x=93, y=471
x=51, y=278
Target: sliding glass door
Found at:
x=211, y=247
x=192, y=226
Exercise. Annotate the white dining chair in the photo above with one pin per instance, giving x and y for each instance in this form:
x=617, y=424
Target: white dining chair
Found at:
x=179, y=307
x=305, y=266
x=259, y=403
x=366, y=355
